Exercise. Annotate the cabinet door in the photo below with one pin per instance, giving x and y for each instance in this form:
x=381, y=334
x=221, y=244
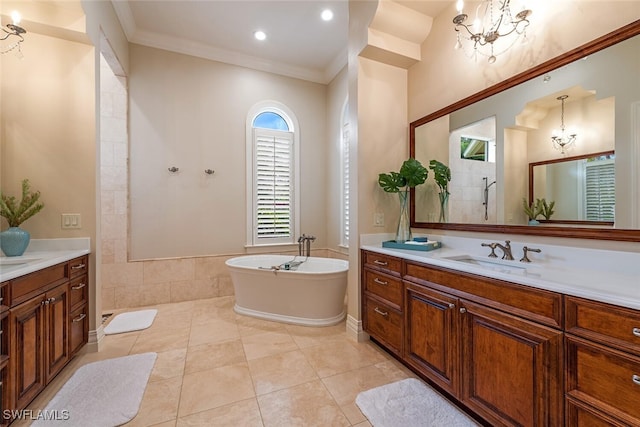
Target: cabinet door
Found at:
x=78, y=329
x=511, y=368
x=56, y=330
x=431, y=333
x=26, y=361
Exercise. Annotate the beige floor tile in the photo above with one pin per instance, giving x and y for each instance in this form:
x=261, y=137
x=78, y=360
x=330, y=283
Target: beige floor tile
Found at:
x=216, y=387
x=280, y=371
x=171, y=423
x=159, y=404
x=345, y=387
x=267, y=344
x=214, y=331
x=363, y=424
x=212, y=309
x=169, y=364
x=251, y=325
x=307, y=337
x=394, y=371
x=353, y=413
x=244, y=413
x=159, y=341
x=340, y=357
x=308, y=404
x=209, y=356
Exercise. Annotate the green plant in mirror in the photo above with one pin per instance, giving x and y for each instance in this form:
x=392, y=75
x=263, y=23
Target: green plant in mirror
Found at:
x=533, y=209
x=546, y=209
x=18, y=212
x=411, y=174
x=442, y=176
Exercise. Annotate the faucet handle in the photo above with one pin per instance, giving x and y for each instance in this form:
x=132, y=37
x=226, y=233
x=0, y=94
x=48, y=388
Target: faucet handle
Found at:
x=525, y=249
x=493, y=248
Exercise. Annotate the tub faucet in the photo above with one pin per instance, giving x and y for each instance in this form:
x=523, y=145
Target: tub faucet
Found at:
x=307, y=241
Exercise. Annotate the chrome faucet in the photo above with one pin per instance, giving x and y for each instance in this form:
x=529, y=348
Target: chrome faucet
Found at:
x=307, y=241
x=506, y=249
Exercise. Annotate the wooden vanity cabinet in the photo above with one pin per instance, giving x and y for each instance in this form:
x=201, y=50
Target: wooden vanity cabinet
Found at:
x=39, y=324
x=603, y=364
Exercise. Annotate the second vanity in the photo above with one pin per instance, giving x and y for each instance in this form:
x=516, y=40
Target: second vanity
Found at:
x=517, y=344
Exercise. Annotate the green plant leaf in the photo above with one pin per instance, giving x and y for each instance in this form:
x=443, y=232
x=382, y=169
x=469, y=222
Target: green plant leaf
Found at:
x=391, y=182
x=441, y=174
x=17, y=213
x=413, y=172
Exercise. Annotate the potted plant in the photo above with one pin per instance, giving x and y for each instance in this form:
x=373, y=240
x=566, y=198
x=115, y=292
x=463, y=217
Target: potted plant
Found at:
x=411, y=174
x=546, y=210
x=15, y=240
x=442, y=176
x=532, y=210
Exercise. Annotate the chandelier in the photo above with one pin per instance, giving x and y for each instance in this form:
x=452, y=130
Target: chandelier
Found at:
x=492, y=22
x=562, y=138
x=13, y=30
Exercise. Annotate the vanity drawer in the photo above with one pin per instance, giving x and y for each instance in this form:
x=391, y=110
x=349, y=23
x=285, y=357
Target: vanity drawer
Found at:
x=78, y=328
x=79, y=266
x=604, y=378
x=384, y=323
x=384, y=286
x=613, y=325
x=78, y=291
x=25, y=287
x=389, y=264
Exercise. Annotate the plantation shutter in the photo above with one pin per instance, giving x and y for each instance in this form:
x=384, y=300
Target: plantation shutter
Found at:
x=273, y=186
x=345, y=185
x=600, y=190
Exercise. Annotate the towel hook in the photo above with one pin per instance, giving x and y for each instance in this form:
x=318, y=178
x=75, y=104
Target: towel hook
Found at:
x=209, y=171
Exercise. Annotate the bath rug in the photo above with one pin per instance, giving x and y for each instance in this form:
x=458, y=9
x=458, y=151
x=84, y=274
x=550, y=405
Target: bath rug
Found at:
x=132, y=321
x=100, y=394
x=410, y=403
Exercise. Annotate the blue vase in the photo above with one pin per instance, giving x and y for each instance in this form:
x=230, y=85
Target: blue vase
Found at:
x=14, y=241
x=534, y=222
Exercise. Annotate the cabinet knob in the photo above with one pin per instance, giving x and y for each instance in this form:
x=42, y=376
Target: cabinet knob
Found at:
x=636, y=332
x=381, y=313
x=384, y=263
x=636, y=379
x=452, y=305
x=380, y=282
x=463, y=310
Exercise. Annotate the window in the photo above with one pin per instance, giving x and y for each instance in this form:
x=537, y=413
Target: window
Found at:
x=272, y=177
x=344, y=159
x=600, y=188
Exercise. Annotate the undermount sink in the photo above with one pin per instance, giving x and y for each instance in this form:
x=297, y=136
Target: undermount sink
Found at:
x=16, y=260
x=490, y=264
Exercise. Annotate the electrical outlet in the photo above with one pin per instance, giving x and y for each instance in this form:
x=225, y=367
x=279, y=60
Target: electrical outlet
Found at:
x=378, y=219
x=70, y=221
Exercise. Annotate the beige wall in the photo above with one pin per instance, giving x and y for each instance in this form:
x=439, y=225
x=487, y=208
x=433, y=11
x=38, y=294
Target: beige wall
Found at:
x=191, y=113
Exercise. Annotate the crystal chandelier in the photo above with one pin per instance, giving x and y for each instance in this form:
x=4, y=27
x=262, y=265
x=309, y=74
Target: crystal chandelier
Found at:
x=492, y=22
x=13, y=30
x=563, y=139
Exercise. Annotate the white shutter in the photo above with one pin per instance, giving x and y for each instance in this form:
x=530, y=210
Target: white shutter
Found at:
x=273, y=186
x=345, y=185
x=600, y=191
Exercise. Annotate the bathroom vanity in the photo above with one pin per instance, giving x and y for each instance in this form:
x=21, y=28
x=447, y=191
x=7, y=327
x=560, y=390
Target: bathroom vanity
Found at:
x=503, y=340
x=44, y=322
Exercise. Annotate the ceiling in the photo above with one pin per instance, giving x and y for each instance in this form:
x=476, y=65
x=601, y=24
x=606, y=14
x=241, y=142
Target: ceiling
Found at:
x=299, y=43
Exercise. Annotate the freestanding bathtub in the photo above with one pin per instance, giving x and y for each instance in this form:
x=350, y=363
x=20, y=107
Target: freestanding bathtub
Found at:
x=311, y=295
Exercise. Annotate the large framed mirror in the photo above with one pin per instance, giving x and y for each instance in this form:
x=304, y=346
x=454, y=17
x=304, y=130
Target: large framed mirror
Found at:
x=490, y=141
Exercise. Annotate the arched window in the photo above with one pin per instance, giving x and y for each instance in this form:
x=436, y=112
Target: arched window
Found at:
x=272, y=175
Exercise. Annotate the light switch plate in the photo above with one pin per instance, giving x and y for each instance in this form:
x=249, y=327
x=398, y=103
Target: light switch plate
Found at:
x=378, y=219
x=70, y=221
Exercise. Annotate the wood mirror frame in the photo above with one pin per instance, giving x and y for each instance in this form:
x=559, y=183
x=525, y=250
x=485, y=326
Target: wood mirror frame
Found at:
x=629, y=235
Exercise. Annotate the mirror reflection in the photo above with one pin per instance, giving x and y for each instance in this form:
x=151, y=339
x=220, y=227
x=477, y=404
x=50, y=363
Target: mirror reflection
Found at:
x=561, y=122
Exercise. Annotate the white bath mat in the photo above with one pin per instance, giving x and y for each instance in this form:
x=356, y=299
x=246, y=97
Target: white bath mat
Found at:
x=132, y=321
x=100, y=394
x=409, y=403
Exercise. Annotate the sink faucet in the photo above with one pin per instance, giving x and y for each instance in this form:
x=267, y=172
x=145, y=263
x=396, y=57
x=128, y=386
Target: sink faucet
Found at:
x=506, y=250
x=525, y=258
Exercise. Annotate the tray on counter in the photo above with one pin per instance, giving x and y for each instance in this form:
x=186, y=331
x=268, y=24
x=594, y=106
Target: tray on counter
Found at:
x=419, y=246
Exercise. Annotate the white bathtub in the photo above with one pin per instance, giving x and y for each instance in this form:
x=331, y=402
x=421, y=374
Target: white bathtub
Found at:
x=313, y=295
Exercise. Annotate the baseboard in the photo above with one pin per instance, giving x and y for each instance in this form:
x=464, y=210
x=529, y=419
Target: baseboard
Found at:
x=95, y=339
x=354, y=329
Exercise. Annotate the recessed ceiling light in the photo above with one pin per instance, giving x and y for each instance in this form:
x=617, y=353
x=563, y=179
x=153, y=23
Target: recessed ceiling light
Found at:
x=326, y=15
x=260, y=35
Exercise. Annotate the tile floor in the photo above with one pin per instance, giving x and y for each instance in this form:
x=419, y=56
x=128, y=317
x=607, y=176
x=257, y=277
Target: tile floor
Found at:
x=218, y=368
